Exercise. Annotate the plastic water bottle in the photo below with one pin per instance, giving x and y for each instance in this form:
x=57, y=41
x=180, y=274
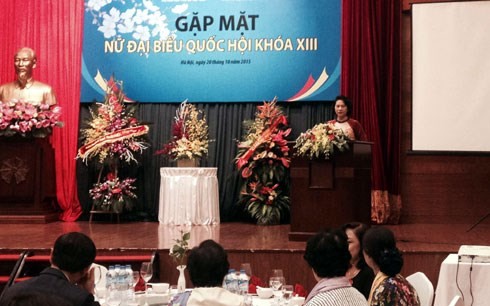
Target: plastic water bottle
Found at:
x=110, y=284
x=120, y=279
x=234, y=282
x=228, y=281
x=242, y=282
x=128, y=282
x=109, y=281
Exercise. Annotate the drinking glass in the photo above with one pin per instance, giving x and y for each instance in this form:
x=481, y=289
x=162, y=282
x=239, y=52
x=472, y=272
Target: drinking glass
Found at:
x=277, y=273
x=113, y=298
x=134, y=282
x=287, y=292
x=275, y=283
x=247, y=300
x=146, y=272
x=247, y=268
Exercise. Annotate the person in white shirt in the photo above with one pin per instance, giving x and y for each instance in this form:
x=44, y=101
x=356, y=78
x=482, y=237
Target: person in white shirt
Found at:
x=208, y=264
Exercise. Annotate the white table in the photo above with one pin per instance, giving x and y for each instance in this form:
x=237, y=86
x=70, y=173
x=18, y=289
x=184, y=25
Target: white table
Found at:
x=447, y=285
x=189, y=196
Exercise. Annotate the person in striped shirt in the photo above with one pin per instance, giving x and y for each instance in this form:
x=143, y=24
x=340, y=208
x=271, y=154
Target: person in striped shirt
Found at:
x=327, y=253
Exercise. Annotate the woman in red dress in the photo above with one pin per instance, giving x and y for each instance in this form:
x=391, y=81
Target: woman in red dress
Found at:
x=351, y=127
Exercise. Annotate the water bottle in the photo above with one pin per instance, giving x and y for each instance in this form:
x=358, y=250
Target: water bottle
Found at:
x=129, y=282
x=228, y=281
x=120, y=278
x=235, y=281
x=242, y=283
x=110, y=283
x=109, y=280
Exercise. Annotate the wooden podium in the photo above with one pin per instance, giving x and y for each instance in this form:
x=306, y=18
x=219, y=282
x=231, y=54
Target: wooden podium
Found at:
x=27, y=181
x=329, y=193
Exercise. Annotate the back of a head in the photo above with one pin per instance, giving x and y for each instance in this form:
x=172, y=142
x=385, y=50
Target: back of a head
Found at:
x=73, y=252
x=327, y=253
x=208, y=264
x=380, y=244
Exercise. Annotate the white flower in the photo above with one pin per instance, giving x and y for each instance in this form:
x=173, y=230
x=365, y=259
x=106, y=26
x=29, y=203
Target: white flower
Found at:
x=96, y=5
x=141, y=33
x=108, y=28
x=149, y=5
x=141, y=16
x=113, y=16
x=179, y=9
x=127, y=22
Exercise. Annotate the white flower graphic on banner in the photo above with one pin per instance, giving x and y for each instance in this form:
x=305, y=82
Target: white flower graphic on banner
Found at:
x=138, y=19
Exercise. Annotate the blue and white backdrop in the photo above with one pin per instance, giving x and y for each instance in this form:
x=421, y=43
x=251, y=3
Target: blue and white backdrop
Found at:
x=213, y=50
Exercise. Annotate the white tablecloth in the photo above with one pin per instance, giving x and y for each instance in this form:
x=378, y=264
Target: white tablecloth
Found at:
x=189, y=196
x=447, y=285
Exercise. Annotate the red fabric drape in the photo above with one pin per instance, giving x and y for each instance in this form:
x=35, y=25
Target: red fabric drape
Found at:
x=371, y=77
x=54, y=30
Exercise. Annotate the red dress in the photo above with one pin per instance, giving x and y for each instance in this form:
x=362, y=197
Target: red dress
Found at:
x=352, y=129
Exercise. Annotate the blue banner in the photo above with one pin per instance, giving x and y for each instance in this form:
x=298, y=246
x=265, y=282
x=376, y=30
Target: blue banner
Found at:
x=212, y=50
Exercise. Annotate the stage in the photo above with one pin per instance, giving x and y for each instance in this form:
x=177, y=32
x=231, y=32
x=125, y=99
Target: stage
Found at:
x=424, y=246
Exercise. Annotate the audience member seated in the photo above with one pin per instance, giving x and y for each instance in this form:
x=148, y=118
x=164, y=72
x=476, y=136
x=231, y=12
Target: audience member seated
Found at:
x=382, y=255
x=36, y=299
x=208, y=265
x=70, y=276
x=360, y=274
x=327, y=253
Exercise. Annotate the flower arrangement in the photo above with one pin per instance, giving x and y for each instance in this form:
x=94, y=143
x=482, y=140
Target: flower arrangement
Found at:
x=189, y=134
x=18, y=117
x=179, y=250
x=113, y=194
x=263, y=159
x=114, y=132
x=320, y=141
x=112, y=135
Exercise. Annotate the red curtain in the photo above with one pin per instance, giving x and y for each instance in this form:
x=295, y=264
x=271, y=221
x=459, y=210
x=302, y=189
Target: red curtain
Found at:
x=371, y=77
x=53, y=28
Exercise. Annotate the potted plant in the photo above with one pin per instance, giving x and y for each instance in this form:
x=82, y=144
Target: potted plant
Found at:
x=178, y=252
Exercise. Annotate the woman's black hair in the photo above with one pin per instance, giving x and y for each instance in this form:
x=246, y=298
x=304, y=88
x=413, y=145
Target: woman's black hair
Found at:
x=208, y=264
x=359, y=229
x=380, y=244
x=327, y=253
x=347, y=103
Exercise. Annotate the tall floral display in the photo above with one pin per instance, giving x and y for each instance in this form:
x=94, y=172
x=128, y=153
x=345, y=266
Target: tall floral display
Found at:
x=263, y=161
x=189, y=135
x=112, y=139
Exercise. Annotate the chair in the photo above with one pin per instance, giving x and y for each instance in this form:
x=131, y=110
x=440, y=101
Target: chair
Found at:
x=423, y=286
x=456, y=301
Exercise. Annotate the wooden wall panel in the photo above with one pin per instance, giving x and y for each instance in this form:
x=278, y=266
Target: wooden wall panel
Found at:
x=438, y=188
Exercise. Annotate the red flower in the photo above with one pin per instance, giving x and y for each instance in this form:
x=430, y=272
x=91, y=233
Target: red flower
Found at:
x=241, y=162
x=116, y=190
x=247, y=172
x=111, y=176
